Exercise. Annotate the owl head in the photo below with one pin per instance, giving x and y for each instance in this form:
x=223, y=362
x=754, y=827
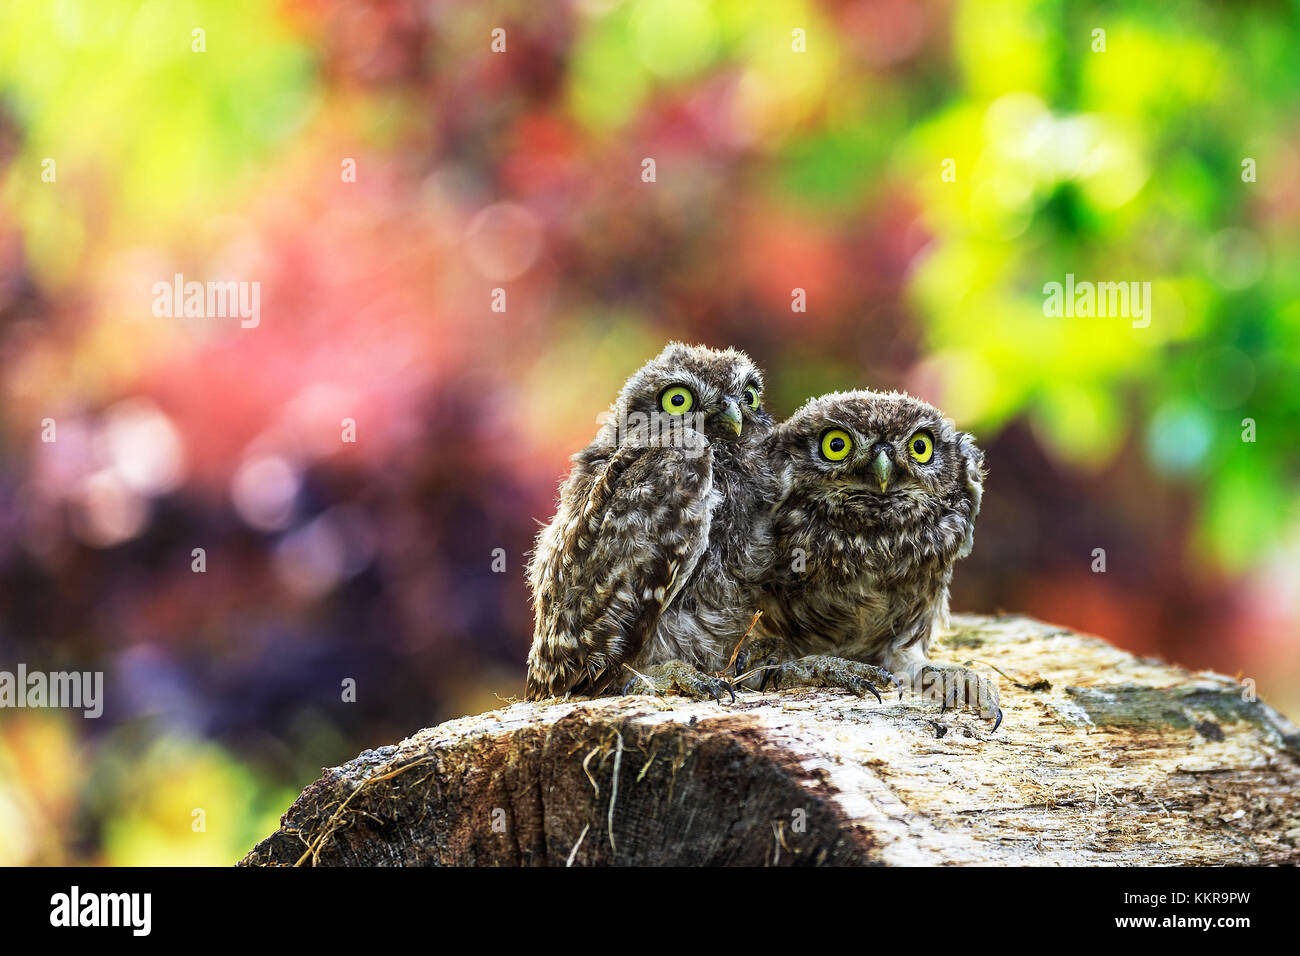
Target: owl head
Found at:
x=885, y=458
x=717, y=393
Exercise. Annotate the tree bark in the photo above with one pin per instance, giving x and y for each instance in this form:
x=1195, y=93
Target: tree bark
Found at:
x=1103, y=758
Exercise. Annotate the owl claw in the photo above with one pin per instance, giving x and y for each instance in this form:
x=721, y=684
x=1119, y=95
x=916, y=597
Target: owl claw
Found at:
x=820, y=670
x=860, y=683
x=681, y=677
x=627, y=688
x=715, y=687
x=757, y=655
x=956, y=686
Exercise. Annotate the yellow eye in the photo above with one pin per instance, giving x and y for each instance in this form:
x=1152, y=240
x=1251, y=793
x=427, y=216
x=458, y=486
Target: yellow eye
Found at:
x=921, y=447
x=752, y=397
x=836, y=444
x=677, y=400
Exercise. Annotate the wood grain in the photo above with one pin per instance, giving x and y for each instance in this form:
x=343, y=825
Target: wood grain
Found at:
x=1103, y=758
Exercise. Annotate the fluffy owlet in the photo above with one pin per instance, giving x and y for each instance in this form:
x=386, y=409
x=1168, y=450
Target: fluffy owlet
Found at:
x=656, y=555
x=879, y=495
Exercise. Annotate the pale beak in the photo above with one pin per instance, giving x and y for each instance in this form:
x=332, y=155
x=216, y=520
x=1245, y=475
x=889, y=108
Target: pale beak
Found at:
x=883, y=469
x=730, y=415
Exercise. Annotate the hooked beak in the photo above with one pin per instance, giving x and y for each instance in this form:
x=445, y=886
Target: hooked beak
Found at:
x=729, y=415
x=883, y=468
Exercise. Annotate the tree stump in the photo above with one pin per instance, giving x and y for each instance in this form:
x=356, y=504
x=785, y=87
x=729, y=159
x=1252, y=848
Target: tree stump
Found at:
x=1103, y=758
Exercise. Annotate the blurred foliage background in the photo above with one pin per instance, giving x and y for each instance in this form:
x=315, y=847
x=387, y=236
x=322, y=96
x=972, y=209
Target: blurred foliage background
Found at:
x=521, y=170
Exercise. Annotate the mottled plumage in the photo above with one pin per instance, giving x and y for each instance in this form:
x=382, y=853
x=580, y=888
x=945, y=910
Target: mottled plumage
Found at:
x=862, y=571
x=660, y=544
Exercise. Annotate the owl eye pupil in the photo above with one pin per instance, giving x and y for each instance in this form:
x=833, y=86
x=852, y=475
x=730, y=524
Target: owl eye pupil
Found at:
x=837, y=444
x=919, y=445
x=677, y=399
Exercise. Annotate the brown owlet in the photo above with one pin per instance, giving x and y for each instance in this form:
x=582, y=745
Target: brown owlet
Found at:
x=879, y=495
x=649, y=574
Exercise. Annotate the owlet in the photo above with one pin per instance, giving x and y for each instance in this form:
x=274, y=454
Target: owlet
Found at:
x=649, y=574
x=878, y=499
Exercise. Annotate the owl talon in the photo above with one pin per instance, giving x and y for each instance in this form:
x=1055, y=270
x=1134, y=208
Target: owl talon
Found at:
x=958, y=686
x=682, y=678
x=820, y=670
x=759, y=654
x=716, y=688
x=627, y=688
x=860, y=683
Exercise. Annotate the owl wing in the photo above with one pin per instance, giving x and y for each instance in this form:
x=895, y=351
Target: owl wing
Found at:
x=973, y=476
x=610, y=563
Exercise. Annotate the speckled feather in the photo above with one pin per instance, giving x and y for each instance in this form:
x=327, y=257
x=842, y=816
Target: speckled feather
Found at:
x=659, y=546
x=877, y=566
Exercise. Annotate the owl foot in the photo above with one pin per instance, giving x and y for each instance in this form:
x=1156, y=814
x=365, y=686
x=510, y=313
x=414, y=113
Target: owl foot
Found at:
x=822, y=670
x=681, y=677
x=755, y=660
x=958, y=686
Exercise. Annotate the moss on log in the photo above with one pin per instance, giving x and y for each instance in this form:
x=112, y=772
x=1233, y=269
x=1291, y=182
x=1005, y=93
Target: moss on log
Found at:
x=1103, y=758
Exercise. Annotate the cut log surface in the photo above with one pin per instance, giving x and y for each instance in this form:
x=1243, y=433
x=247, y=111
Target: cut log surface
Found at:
x=1103, y=758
